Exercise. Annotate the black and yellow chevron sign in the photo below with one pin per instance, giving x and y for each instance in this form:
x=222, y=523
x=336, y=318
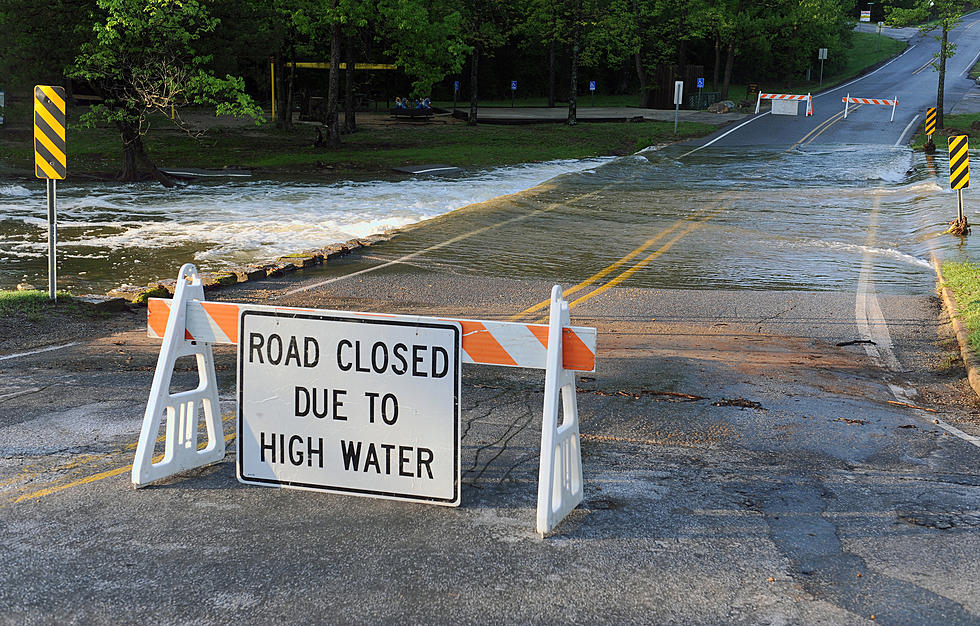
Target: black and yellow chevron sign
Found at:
x=50, y=149
x=959, y=162
x=930, y=120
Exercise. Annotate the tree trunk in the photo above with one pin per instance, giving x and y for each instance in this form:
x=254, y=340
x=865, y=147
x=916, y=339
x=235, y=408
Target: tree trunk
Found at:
x=714, y=80
x=277, y=83
x=333, y=89
x=474, y=99
x=942, y=76
x=288, y=118
x=573, y=86
x=350, y=124
x=551, y=72
x=727, y=79
x=641, y=74
x=134, y=154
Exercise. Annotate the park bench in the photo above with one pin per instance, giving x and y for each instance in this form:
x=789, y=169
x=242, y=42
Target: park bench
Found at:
x=412, y=115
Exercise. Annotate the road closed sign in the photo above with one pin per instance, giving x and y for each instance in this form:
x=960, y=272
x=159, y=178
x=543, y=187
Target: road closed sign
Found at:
x=350, y=404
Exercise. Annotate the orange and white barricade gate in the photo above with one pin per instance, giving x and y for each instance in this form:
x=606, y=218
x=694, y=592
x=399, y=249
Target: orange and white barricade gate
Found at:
x=879, y=101
x=189, y=325
x=785, y=96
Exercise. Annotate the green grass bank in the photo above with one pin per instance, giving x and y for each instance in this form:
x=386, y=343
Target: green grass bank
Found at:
x=963, y=280
x=373, y=148
x=33, y=304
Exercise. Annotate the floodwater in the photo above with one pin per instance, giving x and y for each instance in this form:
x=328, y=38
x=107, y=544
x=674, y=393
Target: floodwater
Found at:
x=746, y=218
x=111, y=234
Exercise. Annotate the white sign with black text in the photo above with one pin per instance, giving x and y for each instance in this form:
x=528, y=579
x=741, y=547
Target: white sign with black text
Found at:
x=350, y=404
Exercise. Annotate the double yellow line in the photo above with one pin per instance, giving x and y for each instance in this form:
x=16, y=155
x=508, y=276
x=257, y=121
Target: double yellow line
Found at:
x=819, y=130
x=681, y=227
x=91, y=459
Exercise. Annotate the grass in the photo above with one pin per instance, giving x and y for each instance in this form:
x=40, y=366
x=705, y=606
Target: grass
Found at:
x=373, y=148
x=963, y=279
x=33, y=304
x=954, y=125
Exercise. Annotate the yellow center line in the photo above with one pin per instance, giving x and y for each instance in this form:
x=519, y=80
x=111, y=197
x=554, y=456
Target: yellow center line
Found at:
x=642, y=263
x=87, y=459
x=116, y=471
x=604, y=272
x=616, y=265
x=927, y=64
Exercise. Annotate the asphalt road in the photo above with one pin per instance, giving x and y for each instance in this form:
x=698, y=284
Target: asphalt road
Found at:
x=758, y=456
x=909, y=78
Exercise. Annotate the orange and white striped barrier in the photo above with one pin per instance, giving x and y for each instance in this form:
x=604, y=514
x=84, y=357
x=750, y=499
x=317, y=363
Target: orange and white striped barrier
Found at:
x=188, y=325
x=879, y=101
x=785, y=96
x=485, y=342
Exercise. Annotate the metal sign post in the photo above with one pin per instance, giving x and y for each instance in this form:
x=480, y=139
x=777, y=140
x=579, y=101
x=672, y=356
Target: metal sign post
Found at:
x=822, y=55
x=513, y=91
x=959, y=179
x=52, y=241
x=50, y=163
x=592, y=91
x=678, y=96
x=700, y=89
x=455, y=94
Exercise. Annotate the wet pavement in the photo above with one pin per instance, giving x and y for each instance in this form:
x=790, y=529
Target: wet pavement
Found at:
x=778, y=429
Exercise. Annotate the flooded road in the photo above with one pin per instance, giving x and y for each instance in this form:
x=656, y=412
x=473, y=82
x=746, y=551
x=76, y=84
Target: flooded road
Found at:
x=110, y=234
x=748, y=218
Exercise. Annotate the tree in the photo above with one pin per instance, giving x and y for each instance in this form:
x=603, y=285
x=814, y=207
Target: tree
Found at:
x=142, y=60
x=485, y=25
x=947, y=14
x=40, y=40
x=544, y=22
x=425, y=40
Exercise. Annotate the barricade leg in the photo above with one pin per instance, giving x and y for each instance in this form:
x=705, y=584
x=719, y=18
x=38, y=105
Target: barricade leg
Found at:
x=560, y=486
x=847, y=98
x=182, y=409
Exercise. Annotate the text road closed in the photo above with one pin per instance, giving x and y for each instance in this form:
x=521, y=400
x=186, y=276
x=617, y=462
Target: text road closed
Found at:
x=357, y=405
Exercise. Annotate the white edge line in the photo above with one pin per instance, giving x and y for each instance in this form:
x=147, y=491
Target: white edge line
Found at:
x=435, y=169
x=969, y=66
x=48, y=349
x=953, y=430
x=830, y=91
x=904, y=132
x=748, y=121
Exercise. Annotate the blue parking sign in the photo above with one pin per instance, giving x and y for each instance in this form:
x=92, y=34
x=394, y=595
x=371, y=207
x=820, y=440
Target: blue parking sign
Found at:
x=513, y=85
x=591, y=85
x=456, y=85
x=700, y=83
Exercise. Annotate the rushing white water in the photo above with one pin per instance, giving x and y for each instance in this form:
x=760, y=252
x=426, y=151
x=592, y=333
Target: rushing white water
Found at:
x=217, y=224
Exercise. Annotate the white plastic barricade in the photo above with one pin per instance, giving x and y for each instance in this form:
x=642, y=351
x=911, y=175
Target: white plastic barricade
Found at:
x=181, y=451
x=785, y=96
x=188, y=325
x=879, y=101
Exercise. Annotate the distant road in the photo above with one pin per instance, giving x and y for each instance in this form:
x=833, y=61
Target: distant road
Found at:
x=909, y=77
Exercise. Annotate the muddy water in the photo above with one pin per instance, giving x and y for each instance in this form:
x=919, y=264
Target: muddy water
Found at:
x=723, y=219
x=111, y=234
x=737, y=218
